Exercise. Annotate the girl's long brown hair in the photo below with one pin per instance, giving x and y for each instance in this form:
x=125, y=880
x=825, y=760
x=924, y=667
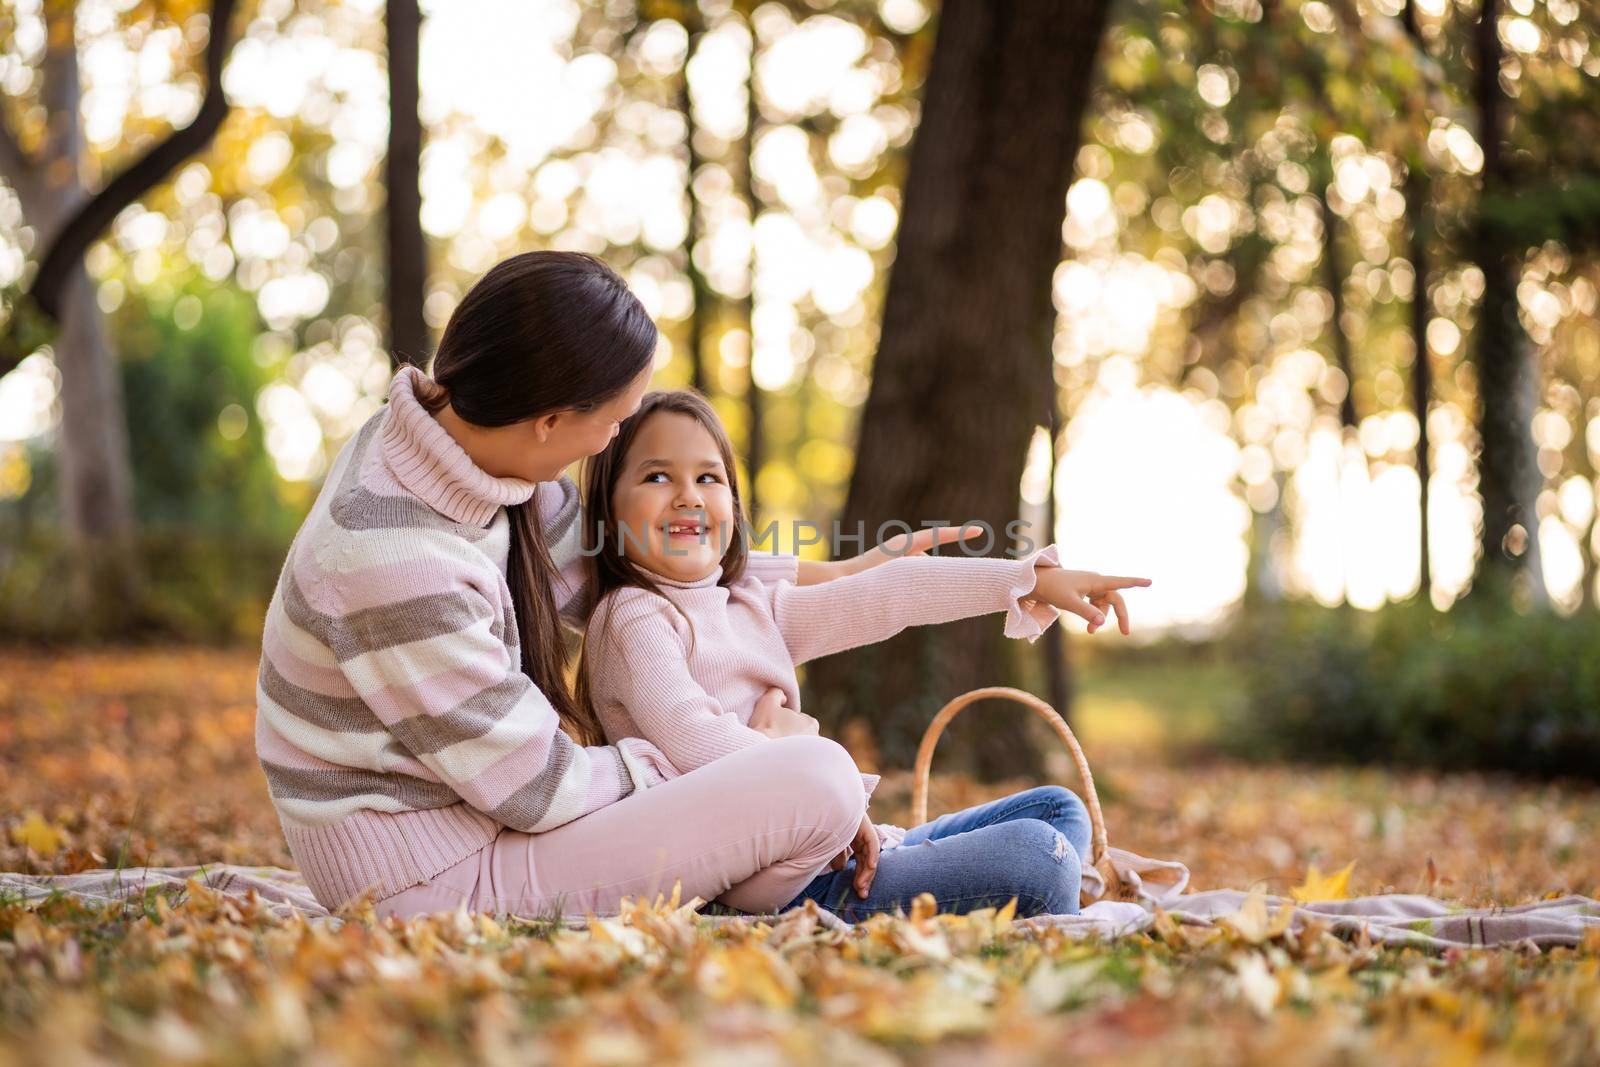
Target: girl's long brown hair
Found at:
x=541, y=332
x=605, y=542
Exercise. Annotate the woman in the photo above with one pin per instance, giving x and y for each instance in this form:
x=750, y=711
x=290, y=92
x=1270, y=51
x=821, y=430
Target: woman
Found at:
x=414, y=723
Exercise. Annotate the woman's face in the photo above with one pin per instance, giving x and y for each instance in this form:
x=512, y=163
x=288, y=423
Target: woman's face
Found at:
x=539, y=449
x=672, y=501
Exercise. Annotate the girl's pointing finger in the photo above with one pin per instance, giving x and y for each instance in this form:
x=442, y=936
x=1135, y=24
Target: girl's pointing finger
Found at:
x=1121, y=608
x=1085, y=610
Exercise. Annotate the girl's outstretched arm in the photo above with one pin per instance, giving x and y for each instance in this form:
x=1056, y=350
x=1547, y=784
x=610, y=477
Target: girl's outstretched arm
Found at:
x=874, y=605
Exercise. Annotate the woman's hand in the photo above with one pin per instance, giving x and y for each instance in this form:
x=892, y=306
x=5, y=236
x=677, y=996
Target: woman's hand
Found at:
x=773, y=718
x=1085, y=593
x=914, y=544
x=865, y=850
x=811, y=572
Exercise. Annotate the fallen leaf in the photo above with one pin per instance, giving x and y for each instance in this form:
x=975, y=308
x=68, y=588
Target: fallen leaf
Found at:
x=1256, y=982
x=1333, y=887
x=1252, y=924
x=36, y=834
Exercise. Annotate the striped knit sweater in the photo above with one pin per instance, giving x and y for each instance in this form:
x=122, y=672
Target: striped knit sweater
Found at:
x=395, y=726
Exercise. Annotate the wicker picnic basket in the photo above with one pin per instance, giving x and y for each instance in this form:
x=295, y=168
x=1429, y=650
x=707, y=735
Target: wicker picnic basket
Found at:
x=1117, y=888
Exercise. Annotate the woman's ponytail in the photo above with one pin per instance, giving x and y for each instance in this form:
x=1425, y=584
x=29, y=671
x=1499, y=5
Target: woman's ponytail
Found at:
x=544, y=650
x=542, y=332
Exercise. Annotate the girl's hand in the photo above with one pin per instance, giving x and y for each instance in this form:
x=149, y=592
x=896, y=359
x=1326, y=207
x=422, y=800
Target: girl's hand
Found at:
x=1085, y=593
x=865, y=850
x=772, y=718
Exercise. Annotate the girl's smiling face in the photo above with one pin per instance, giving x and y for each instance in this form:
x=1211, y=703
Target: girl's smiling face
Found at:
x=672, y=503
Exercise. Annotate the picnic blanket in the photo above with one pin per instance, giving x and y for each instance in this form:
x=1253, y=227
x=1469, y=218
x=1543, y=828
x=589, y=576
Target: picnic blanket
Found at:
x=1402, y=918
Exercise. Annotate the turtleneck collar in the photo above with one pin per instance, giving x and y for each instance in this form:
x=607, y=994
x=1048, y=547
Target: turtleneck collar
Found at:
x=428, y=462
x=708, y=582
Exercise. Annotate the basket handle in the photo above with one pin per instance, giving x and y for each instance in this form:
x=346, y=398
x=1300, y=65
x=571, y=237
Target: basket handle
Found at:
x=930, y=738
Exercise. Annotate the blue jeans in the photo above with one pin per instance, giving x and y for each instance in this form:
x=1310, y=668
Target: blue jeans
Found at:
x=1029, y=845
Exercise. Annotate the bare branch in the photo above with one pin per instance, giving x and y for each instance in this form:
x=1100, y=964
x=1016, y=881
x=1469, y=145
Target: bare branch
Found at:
x=92, y=219
x=34, y=310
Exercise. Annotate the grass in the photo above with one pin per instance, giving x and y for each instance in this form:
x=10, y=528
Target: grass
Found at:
x=1168, y=707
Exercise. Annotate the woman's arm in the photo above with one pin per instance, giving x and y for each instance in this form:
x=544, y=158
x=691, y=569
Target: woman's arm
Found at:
x=874, y=605
x=640, y=662
x=445, y=685
x=815, y=572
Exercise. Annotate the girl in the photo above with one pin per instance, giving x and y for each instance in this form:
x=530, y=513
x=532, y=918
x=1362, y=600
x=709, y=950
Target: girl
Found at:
x=414, y=724
x=690, y=650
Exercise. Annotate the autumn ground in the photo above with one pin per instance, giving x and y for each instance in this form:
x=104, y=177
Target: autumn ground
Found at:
x=146, y=757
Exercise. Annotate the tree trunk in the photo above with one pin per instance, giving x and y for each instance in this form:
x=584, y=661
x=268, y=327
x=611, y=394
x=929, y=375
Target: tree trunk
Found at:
x=1586, y=590
x=1060, y=684
x=407, y=278
x=96, y=488
x=1421, y=365
x=96, y=472
x=1333, y=278
x=755, y=404
x=961, y=377
x=1419, y=216
x=1508, y=474
x=697, y=281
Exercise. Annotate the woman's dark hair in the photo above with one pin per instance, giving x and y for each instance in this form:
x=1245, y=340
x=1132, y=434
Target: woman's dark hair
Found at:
x=605, y=543
x=541, y=332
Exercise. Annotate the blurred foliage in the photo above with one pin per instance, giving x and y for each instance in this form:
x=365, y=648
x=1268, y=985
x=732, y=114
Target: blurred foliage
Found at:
x=1194, y=239
x=201, y=586
x=1479, y=687
x=190, y=381
x=215, y=519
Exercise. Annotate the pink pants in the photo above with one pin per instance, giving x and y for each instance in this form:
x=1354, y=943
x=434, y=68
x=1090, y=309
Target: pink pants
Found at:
x=750, y=830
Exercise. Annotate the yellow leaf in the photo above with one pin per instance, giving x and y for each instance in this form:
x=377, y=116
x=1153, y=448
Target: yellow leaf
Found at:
x=1333, y=887
x=1252, y=923
x=36, y=834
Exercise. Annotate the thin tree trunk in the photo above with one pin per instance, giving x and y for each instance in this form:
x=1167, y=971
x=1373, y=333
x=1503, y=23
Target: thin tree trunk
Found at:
x=1419, y=214
x=96, y=471
x=1058, y=673
x=96, y=489
x=755, y=403
x=1508, y=474
x=961, y=377
x=1212, y=318
x=96, y=481
x=1586, y=592
x=1333, y=273
x=1333, y=279
x=1417, y=209
x=697, y=280
x=407, y=275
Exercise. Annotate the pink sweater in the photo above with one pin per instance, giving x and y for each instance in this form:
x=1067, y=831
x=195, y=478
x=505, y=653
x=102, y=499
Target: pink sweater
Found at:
x=693, y=703
x=395, y=726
